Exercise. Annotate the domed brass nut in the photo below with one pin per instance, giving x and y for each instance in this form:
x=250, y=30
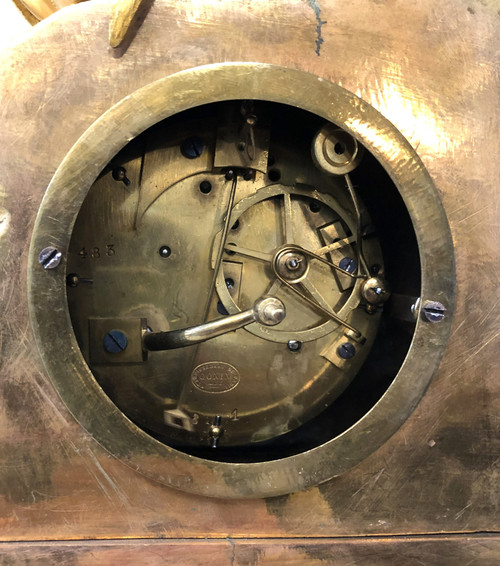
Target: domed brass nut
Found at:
x=374, y=291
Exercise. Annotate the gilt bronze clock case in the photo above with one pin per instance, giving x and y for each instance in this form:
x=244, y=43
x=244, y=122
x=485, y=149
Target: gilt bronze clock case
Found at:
x=100, y=126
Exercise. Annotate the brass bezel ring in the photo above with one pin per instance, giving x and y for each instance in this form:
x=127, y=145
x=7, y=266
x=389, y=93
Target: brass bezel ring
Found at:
x=50, y=317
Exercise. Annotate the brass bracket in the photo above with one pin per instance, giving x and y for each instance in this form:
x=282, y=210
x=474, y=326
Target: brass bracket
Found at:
x=104, y=331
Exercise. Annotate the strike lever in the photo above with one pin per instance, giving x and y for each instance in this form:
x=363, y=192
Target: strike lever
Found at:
x=269, y=311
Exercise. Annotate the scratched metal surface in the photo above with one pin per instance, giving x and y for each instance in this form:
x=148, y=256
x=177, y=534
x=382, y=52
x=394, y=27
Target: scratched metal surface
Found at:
x=437, y=550
x=432, y=68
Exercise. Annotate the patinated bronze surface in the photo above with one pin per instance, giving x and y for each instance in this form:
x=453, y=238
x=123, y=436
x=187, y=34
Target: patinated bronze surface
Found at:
x=432, y=70
x=269, y=411
x=36, y=10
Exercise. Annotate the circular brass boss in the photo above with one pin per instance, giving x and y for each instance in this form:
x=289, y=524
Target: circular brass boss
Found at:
x=47, y=287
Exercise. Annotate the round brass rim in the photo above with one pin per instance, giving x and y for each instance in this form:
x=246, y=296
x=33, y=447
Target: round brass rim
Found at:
x=47, y=288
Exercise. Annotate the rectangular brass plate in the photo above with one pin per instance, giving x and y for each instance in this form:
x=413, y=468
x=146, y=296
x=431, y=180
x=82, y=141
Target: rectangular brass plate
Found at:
x=131, y=327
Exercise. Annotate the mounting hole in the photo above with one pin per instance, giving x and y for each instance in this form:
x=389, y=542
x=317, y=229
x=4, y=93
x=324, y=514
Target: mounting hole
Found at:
x=72, y=280
x=274, y=175
x=241, y=146
x=339, y=148
x=205, y=187
x=314, y=206
x=236, y=225
x=230, y=252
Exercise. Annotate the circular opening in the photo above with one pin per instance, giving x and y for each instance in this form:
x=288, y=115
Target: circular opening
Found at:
x=205, y=187
x=339, y=148
x=228, y=250
x=315, y=206
x=167, y=394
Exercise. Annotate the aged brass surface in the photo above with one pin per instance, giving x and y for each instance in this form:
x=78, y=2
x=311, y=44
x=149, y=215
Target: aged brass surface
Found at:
x=439, y=550
x=234, y=228
x=431, y=68
x=37, y=10
x=124, y=15
x=199, y=409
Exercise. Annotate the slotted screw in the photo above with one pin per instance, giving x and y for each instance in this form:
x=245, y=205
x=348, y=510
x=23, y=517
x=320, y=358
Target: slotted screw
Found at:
x=49, y=258
x=192, y=147
x=115, y=341
x=346, y=351
x=433, y=311
x=348, y=264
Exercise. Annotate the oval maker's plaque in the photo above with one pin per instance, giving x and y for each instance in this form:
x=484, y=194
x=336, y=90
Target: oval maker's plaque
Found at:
x=215, y=377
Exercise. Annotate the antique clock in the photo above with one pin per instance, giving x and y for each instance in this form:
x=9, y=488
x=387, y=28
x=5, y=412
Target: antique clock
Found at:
x=249, y=255
x=250, y=274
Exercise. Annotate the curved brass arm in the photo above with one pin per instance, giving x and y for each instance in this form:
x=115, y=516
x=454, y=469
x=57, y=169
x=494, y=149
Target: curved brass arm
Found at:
x=269, y=311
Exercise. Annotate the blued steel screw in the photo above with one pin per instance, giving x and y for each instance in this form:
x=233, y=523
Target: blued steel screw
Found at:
x=433, y=311
x=192, y=147
x=115, y=341
x=348, y=264
x=49, y=258
x=293, y=263
x=346, y=351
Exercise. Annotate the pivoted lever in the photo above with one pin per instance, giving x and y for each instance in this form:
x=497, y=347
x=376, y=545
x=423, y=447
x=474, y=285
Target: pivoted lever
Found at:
x=268, y=310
